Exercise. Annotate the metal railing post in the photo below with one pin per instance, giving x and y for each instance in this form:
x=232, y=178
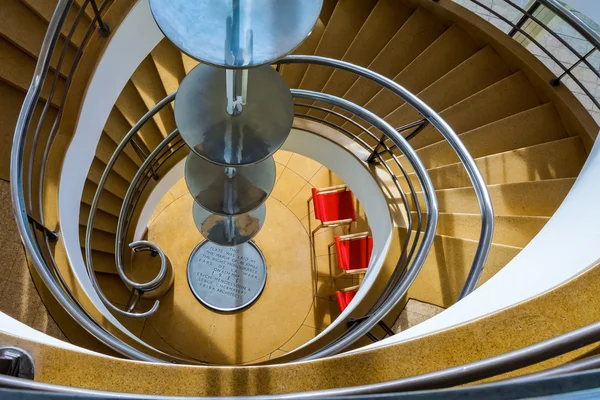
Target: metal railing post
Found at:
x=102, y=26
x=556, y=81
x=519, y=25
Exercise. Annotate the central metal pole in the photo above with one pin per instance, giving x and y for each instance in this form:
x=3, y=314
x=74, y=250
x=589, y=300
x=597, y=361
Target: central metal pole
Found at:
x=237, y=89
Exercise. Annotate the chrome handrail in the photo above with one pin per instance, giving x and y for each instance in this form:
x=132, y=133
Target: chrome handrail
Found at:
x=162, y=274
x=28, y=236
x=574, y=21
x=483, y=196
x=360, y=330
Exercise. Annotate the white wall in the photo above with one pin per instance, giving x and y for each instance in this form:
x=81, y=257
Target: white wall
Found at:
x=13, y=327
x=131, y=43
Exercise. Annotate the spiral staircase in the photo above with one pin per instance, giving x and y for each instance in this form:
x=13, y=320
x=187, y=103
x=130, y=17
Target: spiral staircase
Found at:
x=489, y=158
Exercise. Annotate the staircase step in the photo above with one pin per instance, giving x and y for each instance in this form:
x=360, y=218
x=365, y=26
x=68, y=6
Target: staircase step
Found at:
x=104, y=263
x=10, y=103
x=124, y=166
x=114, y=183
x=102, y=221
x=116, y=128
x=113, y=288
x=149, y=86
x=528, y=128
x=385, y=20
x=17, y=68
x=506, y=97
x=101, y=241
x=108, y=202
x=537, y=198
x=448, y=51
x=45, y=9
x=562, y=158
x=417, y=34
x=169, y=65
x=445, y=270
x=133, y=109
x=346, y=21
x=509, y=230
x=478, y=72
x=23, y=27
x=293, y=73
x=188, y=63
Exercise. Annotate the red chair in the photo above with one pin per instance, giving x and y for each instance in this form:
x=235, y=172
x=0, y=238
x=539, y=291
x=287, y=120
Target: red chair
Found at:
x=345, y=296
x=353, y=253
x=333, y=206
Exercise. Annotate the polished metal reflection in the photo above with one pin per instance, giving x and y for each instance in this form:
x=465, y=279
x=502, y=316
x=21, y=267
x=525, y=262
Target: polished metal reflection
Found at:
x=229, y=230
x=211, y=132
x=229, y=190
x=236, y=33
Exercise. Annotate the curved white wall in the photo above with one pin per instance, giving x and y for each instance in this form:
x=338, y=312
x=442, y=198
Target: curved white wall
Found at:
x=13, y=327
x=131, y=43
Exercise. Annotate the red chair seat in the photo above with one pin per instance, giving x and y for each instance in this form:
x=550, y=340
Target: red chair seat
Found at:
x=344, y=298
x=354, y=253
x=333, y=206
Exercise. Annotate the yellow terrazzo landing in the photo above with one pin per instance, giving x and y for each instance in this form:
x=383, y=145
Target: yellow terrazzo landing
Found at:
x=298, y=300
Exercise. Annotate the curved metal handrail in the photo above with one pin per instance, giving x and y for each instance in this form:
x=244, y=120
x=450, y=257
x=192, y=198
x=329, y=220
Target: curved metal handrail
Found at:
x=162, y=274
x=360, y=330
x=483, y=196
x=574, y=21
x=592, y=37
x=24, y=226
x=404, y=256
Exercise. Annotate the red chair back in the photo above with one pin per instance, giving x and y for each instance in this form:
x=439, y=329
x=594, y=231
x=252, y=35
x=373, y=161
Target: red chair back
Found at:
x=333, y=206
x=354, y=253
x=344, y=298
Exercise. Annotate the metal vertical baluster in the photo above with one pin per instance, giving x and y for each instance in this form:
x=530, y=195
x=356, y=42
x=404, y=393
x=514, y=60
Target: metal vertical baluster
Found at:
x=523, y=19
x=102, y=26
x=556, y=81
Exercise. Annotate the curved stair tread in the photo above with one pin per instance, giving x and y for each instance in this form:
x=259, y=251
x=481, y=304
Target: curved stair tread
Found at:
x=169, y=65
x=561, y=158
x=419, y=31
x=528, y=128
x=478, y=72
x=535, y=198
x=132, y=107
x=446, y=268
x=386, y=18
x=448, y=51
x=346, y=21
x=148, y=84
x=116, y=128
x=293, y=73
x=507, y=97
x=103, y=222
x=510, y=230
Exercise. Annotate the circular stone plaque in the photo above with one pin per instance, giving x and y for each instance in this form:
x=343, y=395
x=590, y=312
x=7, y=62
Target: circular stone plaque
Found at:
x=226, y=278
